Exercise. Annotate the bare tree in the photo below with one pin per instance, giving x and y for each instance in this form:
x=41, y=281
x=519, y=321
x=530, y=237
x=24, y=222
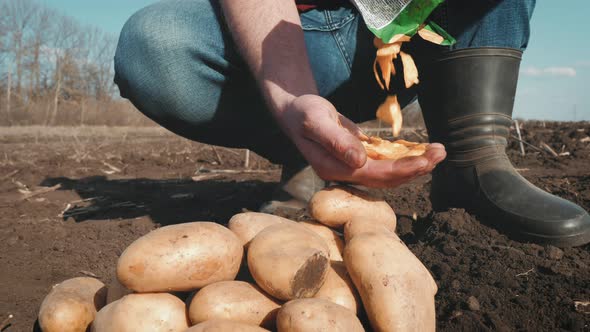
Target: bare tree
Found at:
x=19, y=14
x=8, y=93
x=66, y=34
x=40, y=27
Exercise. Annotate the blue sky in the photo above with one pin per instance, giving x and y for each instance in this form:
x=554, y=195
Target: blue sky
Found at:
x=555, y=73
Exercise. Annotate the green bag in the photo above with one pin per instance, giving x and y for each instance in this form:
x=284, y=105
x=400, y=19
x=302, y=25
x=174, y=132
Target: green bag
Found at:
x=409, y=21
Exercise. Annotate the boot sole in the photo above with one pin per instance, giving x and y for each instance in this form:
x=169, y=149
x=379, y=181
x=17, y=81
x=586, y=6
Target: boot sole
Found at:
x=575, y=240
x=570, y=241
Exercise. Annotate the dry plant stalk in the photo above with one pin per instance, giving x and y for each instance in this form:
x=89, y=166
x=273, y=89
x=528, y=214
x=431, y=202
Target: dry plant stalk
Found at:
x=579, y=306
x=5, y=323
x=40, y=191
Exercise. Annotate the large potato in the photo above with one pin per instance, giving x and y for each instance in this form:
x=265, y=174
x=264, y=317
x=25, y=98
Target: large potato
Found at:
x=236, y=301
x=316, y=315
x=72, y=305
x=396, y=289
x=288, y=261
x=338, y=288
x=225, y=326
x=246, y=225
x=337, y=205
x=364, y=225
x=143, y=312
x=332, y=239
x=180, y=257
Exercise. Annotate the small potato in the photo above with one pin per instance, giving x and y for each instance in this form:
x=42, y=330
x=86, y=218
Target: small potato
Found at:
x=246, y=225
x=224, y=326
x=316, y=315
x=143, y=312
x=72, y=305
x=333, y=240
x=396, y=289
x=339, y=289
x=236, y=301
x=180, y=257
x=288, y=261
x=337, y=205
x=116, y=291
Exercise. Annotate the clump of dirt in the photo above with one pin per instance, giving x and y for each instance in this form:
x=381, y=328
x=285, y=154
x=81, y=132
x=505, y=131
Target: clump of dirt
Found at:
x=489, y=282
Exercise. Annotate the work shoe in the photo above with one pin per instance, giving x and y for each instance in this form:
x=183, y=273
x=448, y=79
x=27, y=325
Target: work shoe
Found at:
x=297, y=186
x=467, y=98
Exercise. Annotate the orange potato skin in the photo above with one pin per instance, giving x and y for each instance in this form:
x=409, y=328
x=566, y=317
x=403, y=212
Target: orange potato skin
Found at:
x=337, y=205
x=154, y=312
x=181, y=257
x=305, y=315
x=72, y=305
x=225, y=326
x=288, y=261
x=397, y=291
x=236, y=301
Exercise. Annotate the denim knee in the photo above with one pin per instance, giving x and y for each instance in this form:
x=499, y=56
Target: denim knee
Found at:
x=163, y=62
x=487, y=23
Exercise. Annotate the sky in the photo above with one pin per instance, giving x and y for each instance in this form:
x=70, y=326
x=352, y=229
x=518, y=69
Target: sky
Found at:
x=555, y=73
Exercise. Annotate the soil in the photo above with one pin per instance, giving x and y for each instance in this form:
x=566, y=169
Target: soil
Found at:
x=116, y=184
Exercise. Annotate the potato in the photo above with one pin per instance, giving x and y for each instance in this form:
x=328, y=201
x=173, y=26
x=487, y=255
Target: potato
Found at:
x=180, y=257
x=363, y=225
x=396, y=289
x=310, y=315
x=236, y=301
x=116, y=291
x=246, y=225
x=339, y=289
x=224, y=326
x=337, y=205
x=143, y=312
x=288, y=261
x=333, y=240
x=72, y=305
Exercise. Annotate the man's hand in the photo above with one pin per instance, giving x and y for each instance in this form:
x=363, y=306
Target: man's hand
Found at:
x=331, y=144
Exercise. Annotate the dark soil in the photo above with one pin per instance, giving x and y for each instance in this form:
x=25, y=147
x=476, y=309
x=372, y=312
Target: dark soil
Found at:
x=118, y=185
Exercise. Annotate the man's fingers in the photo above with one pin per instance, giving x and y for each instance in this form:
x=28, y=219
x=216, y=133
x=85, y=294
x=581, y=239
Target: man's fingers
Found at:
x=435, y=153
x=337, y=140
x=388, y=173
x=352, y=128
x=327, y=166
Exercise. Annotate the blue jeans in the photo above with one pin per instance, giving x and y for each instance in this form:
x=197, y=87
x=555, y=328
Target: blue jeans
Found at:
x=177, y=63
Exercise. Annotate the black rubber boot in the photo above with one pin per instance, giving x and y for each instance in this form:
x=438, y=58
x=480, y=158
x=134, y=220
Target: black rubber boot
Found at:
x=467, y=98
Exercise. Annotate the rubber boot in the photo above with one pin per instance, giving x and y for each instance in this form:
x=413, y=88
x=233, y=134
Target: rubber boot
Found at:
x=298, y=184
x=467, y=98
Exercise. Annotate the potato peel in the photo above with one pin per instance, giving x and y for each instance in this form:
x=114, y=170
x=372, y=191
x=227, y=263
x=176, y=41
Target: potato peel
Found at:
x=380, y=149
x=390, y=112
x=399, y=38
x=389, y=50
x=431, y=36
x=377, y=78
x=410, y=70
x=385, y=63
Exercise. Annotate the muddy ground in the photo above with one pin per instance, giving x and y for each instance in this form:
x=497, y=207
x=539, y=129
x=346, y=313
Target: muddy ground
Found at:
x=72, y=199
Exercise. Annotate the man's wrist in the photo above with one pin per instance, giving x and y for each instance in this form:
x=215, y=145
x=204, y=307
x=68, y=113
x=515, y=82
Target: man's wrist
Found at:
x=279, y=100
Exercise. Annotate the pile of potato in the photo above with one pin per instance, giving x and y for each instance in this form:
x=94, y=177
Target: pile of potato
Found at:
x=293, y=276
